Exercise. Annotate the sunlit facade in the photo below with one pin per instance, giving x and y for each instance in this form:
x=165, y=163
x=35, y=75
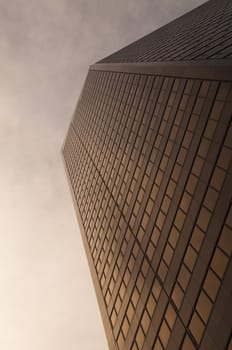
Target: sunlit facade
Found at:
x=148, y=159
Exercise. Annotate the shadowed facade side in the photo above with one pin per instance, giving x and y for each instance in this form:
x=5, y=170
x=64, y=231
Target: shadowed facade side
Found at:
x=148, y=160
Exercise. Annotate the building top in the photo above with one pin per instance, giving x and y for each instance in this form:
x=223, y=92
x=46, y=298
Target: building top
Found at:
x=201, y=34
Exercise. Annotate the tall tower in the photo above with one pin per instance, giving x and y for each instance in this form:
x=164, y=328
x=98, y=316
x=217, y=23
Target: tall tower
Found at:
x=148, y=159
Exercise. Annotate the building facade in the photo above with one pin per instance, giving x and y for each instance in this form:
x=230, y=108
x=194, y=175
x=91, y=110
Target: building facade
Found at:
x=148, y=159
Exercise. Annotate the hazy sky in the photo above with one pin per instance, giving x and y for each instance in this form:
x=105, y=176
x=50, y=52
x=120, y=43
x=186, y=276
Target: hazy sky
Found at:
x=47, y=300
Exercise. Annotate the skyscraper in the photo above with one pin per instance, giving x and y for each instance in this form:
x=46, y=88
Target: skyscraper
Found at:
x=148, y=159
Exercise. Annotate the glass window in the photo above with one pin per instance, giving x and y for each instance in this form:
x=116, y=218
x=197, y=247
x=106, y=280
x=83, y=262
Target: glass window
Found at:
x=197, y=166
x=140, y=338
x=196, y=327
x=219, y=262
x=225, y=158
x=151, y=303
x=160, y=220
x=204, y=147
x=204, y=219
x=165, y=205
x=183, y=277
x=150, y=250
x=210, y=129
x=177, y=295
x=162, y=272
x=225, y=241
x=191, y=184
x=168, y=253
x=171, y=188
x=156, y=289
x=185, y=202
x=179, y=220
x=218, y=178
x=135, y=297
x=211, y=198
x=155, y=236
x=130, y=312
x=176, y=172
x=120, y=341
x=158, y=345
x=170, y=315
x=187, y=344
x=145, y=321
x=211, y=285
x=173, y=238
x=204, y=306
x=125, y=327
x=190, y=258
x=164, y=334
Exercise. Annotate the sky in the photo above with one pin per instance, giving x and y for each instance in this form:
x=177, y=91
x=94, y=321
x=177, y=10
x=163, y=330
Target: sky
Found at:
x=47, y=299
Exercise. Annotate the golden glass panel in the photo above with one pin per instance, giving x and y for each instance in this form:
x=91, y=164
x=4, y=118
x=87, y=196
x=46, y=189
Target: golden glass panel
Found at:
x=156, y=289
x=118, y=304
x=151, y=304
x=149, y=206
x=158, y=345
x=197, y=238
x=122, y=290
x=198, y=105
x=130, y=312
x=170, y=315
x=190, y=258
x=165, y=205
x=196, y=327
x=150, y=250
x=145, y=321
x=185, y=202
x=176, y=172
x=204, y=219
x=225, y=158
x=211, y=198
x=218, y=178
x=155, y=236
x=154, y=192
x=177, y=295
x=187, y=344
x=173, y=237
x=210, y=129
x=168, y=253
x=140, y=338
x=183, y=277
x=219, y=262
x=140, y=282
x=113, y=317
x=204, y=306
x=145, y=267
x=225, y=241
x=120, y=341
x=171, y=188
x=164, y=334
x=162, y=272
x=211, y=285
x=179, y=219
x=197, y=166
x=135, y=297
x=160, y=220
x=125, y=327
x=191, y=184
